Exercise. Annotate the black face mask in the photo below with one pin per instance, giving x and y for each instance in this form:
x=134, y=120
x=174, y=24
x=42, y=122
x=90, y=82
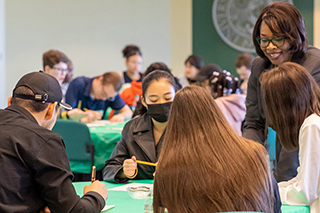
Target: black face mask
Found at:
x=159, y=112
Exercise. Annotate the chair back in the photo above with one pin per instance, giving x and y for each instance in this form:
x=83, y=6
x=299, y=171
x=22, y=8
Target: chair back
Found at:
x=270, y=145
x=77, y=138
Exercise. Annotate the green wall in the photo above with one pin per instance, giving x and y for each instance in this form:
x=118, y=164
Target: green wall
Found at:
x=212, y=49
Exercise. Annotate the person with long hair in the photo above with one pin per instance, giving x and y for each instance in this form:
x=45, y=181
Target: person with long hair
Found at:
x=205, y=166
x=292, y=99
x=142, y=136
x=279, y=35
x=140, y=109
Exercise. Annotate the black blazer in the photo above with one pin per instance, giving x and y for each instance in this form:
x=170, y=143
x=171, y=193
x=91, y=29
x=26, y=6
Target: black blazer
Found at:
x=255, y=121
x=137, y=140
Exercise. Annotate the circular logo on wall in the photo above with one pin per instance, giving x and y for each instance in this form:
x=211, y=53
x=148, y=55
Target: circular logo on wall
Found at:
x=234, y=21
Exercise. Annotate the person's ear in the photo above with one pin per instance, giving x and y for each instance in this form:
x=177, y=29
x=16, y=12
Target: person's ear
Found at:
x=127, y=61
x=9, y=100
x=47, y=69
x=144, y=102
x=100, y=79
x=50, y=111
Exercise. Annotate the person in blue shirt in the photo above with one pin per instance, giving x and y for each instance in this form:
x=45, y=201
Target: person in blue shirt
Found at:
x=90, y=97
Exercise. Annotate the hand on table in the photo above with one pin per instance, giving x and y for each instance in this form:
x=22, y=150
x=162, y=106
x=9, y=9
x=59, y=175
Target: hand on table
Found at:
x=117, y=118
x=77, y=114
x=129, y=167
x=91, y=116
x=98, y=187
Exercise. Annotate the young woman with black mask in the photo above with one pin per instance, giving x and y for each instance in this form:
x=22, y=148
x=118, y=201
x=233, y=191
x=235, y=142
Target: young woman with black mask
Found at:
x=142, y=136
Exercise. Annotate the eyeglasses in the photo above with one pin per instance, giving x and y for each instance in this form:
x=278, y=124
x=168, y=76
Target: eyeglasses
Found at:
x=60, y=69
x=278, y=42
x=135, y=62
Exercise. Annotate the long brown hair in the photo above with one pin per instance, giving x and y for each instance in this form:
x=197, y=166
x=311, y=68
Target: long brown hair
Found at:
x=204, y=166
x=291, y=95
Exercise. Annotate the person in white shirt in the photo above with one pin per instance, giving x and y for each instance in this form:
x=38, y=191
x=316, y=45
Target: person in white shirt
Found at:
x=292, y=99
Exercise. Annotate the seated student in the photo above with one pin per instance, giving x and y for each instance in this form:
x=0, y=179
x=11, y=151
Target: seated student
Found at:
x=95, y=94
x=131, y=95
x=65, y=84
x=292, y=99
x=133, y=62
x=35, y=170
x=204, y=74
x=243, y=65
x=161, y=66
x=205, y=167
x=192, y=66
x=224, y=87
x=142, y=136
x=55, y=63
x=155, y=66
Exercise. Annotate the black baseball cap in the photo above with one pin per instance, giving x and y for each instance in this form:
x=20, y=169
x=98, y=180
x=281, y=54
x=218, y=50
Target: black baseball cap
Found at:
x=45, y=87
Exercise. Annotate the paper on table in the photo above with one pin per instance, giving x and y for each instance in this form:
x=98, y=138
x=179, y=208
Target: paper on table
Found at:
x=99, y=123
x=107, y=207
x=124, y=187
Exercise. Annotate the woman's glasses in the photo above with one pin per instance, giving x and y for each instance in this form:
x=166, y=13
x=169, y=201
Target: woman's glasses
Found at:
x=278, y=42
x=60, y=69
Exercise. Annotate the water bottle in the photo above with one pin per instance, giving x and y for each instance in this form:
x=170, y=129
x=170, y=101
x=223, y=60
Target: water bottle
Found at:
x=148, y=203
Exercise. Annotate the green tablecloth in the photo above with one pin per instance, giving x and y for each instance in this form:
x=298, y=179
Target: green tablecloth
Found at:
x=124, y=203
x=104, y=139
x=295, y=209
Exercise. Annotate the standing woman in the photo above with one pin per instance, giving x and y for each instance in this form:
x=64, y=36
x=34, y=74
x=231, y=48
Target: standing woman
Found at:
x=204, y=166
x=142, y=136
x=292, y=99
x=133, y=60
x=279, y=35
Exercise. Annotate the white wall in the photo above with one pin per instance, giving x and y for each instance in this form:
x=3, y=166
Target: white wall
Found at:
x=181, y=34
x=316, y=23
x=91, y=33
x=2, y=55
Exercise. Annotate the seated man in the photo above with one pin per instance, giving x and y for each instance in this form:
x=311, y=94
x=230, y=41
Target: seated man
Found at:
x=35, y=171
x=243, y=65
x=55, y=63
x=97, y=94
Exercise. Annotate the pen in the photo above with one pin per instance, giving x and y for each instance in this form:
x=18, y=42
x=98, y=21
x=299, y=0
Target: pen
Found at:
x=146, y=163
x=93, y=174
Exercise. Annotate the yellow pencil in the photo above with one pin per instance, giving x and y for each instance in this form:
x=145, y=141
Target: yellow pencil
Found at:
x=93, y=174
x=79, y=104
x=146, y=163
